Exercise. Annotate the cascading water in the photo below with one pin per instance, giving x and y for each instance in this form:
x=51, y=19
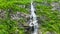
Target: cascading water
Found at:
x=33, y=20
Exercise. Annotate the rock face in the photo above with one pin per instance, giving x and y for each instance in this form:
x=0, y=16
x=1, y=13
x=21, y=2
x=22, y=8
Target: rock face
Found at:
x=2, y=14
x=18, y=15
x=55, y=5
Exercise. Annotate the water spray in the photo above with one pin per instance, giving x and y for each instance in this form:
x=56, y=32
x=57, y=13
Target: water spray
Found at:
x=33, y=19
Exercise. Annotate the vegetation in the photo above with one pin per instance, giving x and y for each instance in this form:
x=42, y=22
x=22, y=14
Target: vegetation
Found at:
x=50, y=19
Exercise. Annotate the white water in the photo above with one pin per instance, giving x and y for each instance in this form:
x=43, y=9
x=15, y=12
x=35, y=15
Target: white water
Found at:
x=33, y=20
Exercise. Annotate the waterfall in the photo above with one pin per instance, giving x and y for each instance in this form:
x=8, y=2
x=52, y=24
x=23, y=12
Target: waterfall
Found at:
x=33, y=20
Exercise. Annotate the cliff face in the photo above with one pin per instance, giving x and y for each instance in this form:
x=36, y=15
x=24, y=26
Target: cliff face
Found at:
x=14, y=16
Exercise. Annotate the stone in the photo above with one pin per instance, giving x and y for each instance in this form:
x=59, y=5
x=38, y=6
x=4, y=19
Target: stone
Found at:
x=56, y=6
x=2, y=14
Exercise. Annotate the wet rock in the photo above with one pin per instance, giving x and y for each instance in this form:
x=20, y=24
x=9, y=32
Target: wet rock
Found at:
x=18, y=15
x=2, y=14
x=56, y=6
x=23, y=15
x=39, y=20
x=13, y=16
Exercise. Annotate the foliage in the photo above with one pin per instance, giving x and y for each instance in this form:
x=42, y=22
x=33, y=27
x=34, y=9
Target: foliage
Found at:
x=50, y=23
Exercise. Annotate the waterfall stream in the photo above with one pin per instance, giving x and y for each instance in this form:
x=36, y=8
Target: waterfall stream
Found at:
x=33, y=20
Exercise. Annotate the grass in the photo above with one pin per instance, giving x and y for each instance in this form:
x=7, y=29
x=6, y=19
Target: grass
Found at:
x=50, y=23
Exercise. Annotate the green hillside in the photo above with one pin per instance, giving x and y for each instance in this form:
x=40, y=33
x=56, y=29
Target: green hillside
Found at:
x=13, y=13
